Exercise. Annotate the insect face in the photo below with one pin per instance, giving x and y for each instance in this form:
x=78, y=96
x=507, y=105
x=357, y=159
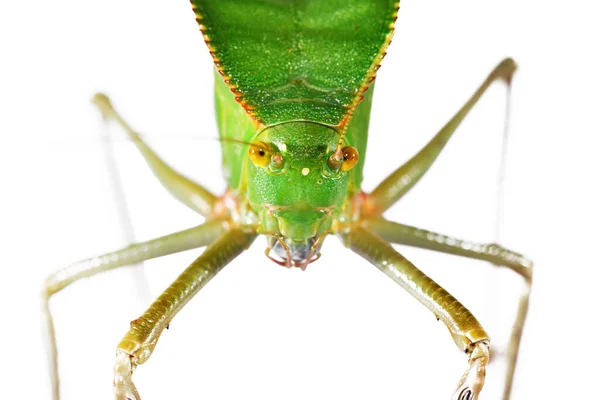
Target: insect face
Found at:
x=296, y=192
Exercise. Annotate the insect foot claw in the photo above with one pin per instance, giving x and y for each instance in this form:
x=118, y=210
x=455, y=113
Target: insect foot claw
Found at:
x=471, y=383
x=123, y=386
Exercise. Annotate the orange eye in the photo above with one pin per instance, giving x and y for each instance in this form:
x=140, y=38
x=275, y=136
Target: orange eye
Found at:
x=350, y=159
x=260, y=154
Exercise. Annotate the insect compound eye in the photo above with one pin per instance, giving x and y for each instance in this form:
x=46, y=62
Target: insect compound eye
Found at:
x=349, y=158
x=343, y=159
x=263, y=155
x=260, y=154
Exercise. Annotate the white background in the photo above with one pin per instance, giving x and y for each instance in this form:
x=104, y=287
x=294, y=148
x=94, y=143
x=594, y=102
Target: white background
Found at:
x=341, y=329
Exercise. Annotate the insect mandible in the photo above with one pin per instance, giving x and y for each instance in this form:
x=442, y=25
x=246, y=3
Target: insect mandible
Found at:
x=293, y=163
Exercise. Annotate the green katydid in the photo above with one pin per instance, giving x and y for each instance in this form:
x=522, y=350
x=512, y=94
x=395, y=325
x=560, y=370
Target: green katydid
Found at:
x=293, y=101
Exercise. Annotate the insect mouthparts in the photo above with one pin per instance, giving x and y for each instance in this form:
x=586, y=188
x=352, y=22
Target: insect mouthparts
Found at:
x=294, y=253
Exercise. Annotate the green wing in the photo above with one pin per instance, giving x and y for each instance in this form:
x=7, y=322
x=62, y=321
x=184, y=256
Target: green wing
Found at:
x=297, y=59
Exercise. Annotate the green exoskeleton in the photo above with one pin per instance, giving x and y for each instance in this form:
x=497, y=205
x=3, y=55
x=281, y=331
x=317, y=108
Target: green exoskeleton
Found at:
x=293, y=90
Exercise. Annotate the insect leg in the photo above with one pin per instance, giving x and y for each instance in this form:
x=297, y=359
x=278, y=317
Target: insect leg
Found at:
x=466, y=331
x=122, y=209
x=406, y=176
x=184, y=240
x=497, y=255
x=408, y=235
x=137, y=345
x=183, y=189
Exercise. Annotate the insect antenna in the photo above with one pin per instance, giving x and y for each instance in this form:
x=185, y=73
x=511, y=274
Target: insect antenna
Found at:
x=122, y=208
x=240, y=142
x=502, y=167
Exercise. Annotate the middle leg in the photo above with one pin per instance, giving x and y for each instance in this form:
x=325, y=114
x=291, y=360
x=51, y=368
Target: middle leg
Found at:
x=409, y=235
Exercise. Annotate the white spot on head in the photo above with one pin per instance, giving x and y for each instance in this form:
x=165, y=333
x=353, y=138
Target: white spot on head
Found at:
x=305, y=171
x=282, y=147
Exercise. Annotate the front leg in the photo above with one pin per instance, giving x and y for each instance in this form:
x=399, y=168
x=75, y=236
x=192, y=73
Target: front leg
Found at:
x=188, y=239
x=466, y=331
x=404, y=234
x=137, y=345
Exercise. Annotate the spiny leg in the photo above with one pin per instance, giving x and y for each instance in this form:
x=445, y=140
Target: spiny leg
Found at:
x=180, y=241
x=493, y=253
x=137, y=345
x=415, y=237
x=406, y=176
x=183, y=189
x=466, y=331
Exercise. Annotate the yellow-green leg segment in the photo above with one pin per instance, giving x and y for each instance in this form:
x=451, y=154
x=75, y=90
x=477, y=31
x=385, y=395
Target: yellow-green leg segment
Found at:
x=137, y=345
x=466, y=331
x=491, y=252
x=406, y=176
x=180, y=241
x=183, y=189
x=370, y=239
x=409, y=235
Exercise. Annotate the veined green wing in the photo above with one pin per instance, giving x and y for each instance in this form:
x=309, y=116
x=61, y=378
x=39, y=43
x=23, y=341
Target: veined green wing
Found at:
x=297, y=59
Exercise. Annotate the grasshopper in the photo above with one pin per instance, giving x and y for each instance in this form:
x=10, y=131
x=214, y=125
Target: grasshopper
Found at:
x=294, y=83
